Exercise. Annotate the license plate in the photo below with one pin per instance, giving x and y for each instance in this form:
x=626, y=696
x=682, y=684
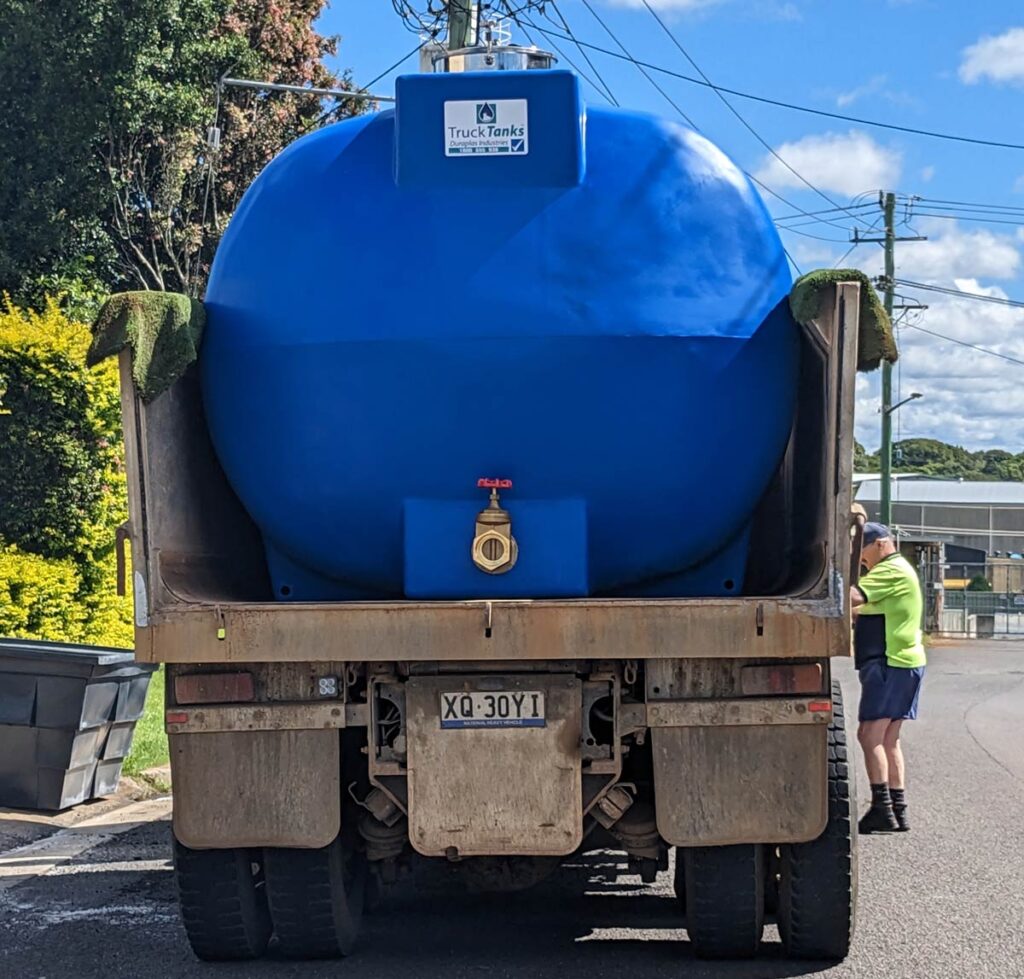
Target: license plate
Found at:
x=499, y=708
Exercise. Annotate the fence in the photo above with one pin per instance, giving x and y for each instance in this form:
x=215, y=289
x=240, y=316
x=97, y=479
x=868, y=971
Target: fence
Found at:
x=959, y=601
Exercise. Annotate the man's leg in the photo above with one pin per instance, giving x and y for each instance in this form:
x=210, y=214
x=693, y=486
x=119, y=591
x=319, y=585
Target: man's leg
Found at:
x=871, y=735
x=894, y=754
x=894, y=758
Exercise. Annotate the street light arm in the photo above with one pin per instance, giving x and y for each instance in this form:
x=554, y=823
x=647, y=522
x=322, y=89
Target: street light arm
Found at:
x=900, y=404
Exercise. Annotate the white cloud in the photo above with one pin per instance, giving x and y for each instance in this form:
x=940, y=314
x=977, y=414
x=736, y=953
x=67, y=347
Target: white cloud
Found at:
x=1018, y=185
x=998, y=58
x=871, y=87
x=844, y=163
x=971, y=398
x=927, y=173
x=951, y=253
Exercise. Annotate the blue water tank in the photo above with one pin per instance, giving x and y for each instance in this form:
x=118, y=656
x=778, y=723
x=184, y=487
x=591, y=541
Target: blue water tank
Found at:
x=493, y=281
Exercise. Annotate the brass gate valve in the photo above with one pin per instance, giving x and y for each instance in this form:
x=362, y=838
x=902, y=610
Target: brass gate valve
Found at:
x=494, y=550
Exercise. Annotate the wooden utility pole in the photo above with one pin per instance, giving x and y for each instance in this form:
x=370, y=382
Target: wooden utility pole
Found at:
x=889, y=208
x=460, y=20
x=888, y=286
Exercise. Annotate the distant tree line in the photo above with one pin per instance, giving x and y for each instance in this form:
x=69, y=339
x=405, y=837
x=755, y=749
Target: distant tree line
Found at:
x=930, y=457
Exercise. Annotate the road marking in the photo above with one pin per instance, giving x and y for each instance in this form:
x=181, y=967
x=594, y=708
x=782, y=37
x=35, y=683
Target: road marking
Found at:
x=35, y=859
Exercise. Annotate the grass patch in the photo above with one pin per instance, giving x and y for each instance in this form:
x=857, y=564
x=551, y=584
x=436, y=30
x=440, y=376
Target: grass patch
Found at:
x=149, y=747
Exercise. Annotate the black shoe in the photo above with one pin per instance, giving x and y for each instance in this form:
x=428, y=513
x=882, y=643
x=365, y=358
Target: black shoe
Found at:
x=878, y=821
x=902, y=822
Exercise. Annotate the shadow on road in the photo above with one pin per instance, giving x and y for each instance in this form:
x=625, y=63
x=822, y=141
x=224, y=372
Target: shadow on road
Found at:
x=591, y=918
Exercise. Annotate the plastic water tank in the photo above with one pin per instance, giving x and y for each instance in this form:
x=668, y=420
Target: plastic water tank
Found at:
x=494, y=281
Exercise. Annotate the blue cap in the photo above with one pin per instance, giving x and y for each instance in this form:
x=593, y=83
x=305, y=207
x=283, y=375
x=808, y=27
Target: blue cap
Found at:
x=875, y=531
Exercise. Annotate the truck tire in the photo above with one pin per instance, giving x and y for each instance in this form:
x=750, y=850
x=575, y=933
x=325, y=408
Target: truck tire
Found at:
x=724, y=896
x=223, y=902
x=316, y=899
x=679, y=881
x=818, y=880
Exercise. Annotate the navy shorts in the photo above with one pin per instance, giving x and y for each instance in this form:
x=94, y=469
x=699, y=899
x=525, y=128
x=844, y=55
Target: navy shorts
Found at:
x=889, y=692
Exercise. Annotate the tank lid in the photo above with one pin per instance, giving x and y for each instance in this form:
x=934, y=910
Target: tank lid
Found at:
x=494, y=51
x=483, y=57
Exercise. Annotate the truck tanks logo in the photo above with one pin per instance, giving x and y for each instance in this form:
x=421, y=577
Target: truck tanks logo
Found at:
x=486, y=112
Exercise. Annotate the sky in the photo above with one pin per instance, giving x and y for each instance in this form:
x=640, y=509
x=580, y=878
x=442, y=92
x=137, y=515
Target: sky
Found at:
x=940, y=65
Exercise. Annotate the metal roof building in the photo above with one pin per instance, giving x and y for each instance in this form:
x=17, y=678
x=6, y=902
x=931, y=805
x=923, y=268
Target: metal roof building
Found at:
x=987, y=516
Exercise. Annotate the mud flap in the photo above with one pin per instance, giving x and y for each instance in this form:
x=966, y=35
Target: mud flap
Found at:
x=256, y=788
x=722, y=785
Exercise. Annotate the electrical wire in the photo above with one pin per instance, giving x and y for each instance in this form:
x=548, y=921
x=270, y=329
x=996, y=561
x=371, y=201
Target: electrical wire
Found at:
x=968, y=218
x=964, y=343
x=969, y=204
x=779, y=103
x=340, y=104
x=680, y=111
x=763, y=186
x=959, y=293
x=849, y=251
x=607, y=96
x=643, y=71
x=746, y=125
x=582, y=50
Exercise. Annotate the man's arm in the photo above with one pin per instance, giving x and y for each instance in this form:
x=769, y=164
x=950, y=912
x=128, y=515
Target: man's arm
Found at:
x=857, y=597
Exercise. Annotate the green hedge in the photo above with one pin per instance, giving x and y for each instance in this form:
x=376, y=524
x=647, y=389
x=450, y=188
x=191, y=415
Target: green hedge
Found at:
x=62, y=484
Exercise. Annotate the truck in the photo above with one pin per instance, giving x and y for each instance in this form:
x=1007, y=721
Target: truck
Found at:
x=505, y=514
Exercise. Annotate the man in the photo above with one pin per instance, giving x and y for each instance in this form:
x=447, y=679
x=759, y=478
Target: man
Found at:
x=890, y=659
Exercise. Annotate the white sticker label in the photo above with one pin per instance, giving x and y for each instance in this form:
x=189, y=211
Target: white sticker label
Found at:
x=486, y=128
x=141, y=600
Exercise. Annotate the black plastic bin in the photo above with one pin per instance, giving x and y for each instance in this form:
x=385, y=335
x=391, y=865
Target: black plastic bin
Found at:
x=67, y=716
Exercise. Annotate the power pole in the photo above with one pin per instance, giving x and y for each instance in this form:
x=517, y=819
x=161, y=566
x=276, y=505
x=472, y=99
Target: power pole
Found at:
x=889, y=207
x=460, y=18
x=888, y=204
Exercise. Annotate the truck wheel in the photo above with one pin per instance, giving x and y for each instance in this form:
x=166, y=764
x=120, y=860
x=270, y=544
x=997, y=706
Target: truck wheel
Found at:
x=316, y=899
x=679, y=881
x=223, y=902
x=818, y=880
x=724, y=899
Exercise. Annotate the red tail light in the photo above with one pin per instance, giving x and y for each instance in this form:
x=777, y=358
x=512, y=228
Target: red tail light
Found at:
x=786, y=678
x=214, y=688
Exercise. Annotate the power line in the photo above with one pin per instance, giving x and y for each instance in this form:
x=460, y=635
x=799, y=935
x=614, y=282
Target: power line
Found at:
x=828, y=210
x=575, y=67
x=971, y=205
x=643, y=71
x=967, y=217
x=690, y=122
x=959, y=293
x=849, y=251
x=320, y=120
x=964, y=343
x=582, y=51
x=779, y=103
x=693, y=125
x=700, y=71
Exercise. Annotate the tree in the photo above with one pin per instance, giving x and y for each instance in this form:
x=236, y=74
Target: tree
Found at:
x=54, y=58
x=62, y=483
x=864, y=461
x=109, y=105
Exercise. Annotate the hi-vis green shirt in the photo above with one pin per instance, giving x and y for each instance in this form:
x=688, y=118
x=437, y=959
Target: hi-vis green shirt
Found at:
x=892, y=590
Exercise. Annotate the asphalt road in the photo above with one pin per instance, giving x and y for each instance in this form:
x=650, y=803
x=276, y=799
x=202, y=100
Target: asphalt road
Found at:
x=946, y=900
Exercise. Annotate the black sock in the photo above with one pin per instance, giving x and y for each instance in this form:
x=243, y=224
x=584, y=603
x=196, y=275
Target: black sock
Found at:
x=880, y=798
x=899, y=799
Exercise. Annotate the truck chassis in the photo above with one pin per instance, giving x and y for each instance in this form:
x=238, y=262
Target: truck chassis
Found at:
x=317, y=748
